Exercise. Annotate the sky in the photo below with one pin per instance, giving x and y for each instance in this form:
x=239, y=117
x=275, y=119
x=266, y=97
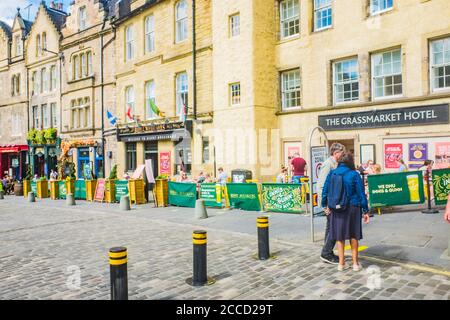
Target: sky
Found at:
x=8, y=9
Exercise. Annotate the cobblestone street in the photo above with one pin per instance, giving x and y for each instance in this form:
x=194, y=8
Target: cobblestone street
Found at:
x=45, y=245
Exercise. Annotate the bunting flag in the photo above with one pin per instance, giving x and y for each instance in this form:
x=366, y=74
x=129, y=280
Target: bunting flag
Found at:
x=155, y=109
x=112, y=119
x=129, y=112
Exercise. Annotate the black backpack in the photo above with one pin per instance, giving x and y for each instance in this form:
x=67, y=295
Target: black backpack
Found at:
x=337, y=195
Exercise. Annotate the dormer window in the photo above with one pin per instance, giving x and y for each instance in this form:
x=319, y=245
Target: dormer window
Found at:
x=44, y=41
x=82, y=18
x=38, y=45
x=18, y=42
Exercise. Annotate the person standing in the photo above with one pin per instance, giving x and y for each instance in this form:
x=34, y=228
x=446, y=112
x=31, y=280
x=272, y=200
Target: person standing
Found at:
x=222, y=178
x=345, y=221
x=282, y=177
x=298, y=168
x=402, y=166
x=336, y=151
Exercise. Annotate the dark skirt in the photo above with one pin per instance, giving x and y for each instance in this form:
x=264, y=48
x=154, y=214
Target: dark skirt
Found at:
x=346, y=225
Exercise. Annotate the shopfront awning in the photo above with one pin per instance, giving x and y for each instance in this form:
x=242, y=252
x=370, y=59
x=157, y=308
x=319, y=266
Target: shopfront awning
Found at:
x=13, y=148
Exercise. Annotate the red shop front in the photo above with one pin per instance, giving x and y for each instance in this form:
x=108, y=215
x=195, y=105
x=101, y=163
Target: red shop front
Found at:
x=13, y=160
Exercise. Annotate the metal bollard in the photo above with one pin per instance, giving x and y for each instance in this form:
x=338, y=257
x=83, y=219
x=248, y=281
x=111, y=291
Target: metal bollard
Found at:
x=200, y=209
x=70, y=199
x=1, y=195
x=200, y=277
x=125, y=203
x=118, y=259
x=262, y=224
x=31, y=197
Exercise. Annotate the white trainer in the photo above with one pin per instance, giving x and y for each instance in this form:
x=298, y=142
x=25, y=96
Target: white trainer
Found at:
x=357, y=267
x=343, y=267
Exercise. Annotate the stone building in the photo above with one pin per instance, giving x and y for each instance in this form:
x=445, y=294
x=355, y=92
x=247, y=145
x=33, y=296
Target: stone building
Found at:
x=14, y=97
x=89, y=85
x=44, y=64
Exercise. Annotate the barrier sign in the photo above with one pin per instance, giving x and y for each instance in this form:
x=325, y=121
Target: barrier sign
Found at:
x=182, y=194
x=62, y=189
x=80, y=189
x=34, y=187
x=208, y=192
x=121, y=188
x=99, y=194
x=441, y=185
x=394, y=189
x=278, y=197
x=244, y=196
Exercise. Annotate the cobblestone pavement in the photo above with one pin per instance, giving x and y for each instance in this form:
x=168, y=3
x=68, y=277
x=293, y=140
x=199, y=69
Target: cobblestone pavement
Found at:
x=44, y=246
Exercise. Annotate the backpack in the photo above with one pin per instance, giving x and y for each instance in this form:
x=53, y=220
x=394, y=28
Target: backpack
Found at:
x=337, y=196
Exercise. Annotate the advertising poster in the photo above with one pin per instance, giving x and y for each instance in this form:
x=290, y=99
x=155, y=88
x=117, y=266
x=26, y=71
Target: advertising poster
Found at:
x=319, y=156
x=442, y=155
x=441, y=186
x=418, y=153
x=164, y=163
x=282, y=198
x=392, y=153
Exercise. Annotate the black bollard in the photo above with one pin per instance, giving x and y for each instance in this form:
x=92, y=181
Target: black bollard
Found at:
x=263, y=238
x=118, y=259
x=199, y=240
x=429, y=210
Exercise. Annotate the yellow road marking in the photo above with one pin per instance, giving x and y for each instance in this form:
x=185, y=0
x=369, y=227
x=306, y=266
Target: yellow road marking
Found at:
x=360, y=248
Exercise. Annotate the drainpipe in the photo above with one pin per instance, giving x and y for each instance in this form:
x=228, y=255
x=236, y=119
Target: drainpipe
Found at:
x=194, y=62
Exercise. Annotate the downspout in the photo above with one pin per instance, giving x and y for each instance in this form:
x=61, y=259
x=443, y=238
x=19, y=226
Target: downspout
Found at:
x=194, y=62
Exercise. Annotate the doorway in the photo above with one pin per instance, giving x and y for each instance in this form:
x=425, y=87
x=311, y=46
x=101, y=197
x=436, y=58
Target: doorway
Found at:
x=348, y=143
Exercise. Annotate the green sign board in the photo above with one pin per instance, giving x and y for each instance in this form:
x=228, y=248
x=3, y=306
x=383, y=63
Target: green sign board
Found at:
x=34, y=187
x=244, y=196
x=278, y=197
x=208, y=192
x=62, y=189
x=182, y=194
x=121, y=188
x=80, y=189
x=395, y=189
x=441, y=185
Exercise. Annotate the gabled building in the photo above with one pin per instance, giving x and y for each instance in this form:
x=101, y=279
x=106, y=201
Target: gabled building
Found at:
x=14, y=97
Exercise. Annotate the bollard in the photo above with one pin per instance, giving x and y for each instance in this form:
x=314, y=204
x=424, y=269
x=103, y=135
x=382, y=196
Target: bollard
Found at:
x=262, y=224
x=125, y=203
x=31, y=197
x=118, y=259
x=200, y=277
x=1, y=195
x=200, y=210
x=70, y=199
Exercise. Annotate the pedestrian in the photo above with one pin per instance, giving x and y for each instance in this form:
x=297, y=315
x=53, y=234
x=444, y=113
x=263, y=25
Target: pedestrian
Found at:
x=208, y=178
x=336, y=151
x=402, y=166
x=53, y=175
x=126, y=176
x=345, y=185
x=282, y=177
x=223, y=177
x=426, y=169
x=298, y=168
x=201, y=177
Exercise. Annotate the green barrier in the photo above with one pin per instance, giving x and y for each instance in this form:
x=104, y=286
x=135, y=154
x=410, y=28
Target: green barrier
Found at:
x=441, y=185
x=121, y=189
x=394, y=189
x=182, y=194
x=277, y=197
x=62, y=189
x=80, y=190
x=244, y=196
x=208, y=192
x=34, y=187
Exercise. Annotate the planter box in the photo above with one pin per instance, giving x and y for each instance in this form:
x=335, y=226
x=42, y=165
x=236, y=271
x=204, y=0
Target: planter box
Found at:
x=70, y=187
x=54, y=190
x=110, y=191
x=26, y=187
x=137, y=191
x=42, y=189
x=90, y=189
x=162, y=192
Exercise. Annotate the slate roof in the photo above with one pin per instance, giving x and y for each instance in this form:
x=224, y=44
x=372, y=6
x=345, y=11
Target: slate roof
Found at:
x=6, y=29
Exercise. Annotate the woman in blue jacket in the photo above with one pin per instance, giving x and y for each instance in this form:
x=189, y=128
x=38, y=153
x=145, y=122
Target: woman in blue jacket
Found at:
x=346, y=224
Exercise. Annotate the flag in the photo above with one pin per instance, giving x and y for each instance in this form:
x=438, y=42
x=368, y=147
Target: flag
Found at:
x=155, y=109
x=183, y=110
x=112, y=119
x=129, y=113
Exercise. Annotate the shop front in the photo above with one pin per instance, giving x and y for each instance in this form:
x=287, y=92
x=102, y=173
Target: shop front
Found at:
x=86, y=155
x=13, y=160
x=43, y=159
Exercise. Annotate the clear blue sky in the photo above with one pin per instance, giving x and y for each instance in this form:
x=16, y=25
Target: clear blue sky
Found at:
x=8, y=8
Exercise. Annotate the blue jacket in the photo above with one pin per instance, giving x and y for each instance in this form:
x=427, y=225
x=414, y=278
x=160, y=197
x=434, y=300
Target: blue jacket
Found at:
x=353, y=185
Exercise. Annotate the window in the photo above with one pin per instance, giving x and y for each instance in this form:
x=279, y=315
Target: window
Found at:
x=54, y=115
x=150, y=34
x=322, y=14
x=346, y=81
x=387, y=74
x=82, y=18
x=76, y=67
x=44, y=41
x=45, y=116
x=44, y=80
x=181, y=93
x=205, y=154
x=36, y=118
x=34, y=83
x=129, y=100
x=86, y=123
x=235, y=25
x=235, y=94
x=129, y=43
x=289, y=18
x=18, y=41
x=440, y=64
x=181, y=24
x=73, y=114
x=38, y=45
x=15, y=85
x=84, y=71
x=149, y=96
x=290, y=89
x=89, y=61
x=52, y=78
x=80, y=113
x=378, y=6
x=131, y=156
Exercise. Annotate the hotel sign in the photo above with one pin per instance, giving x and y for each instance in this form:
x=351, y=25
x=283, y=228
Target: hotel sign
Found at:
x=154, y=132
x=400, y=117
